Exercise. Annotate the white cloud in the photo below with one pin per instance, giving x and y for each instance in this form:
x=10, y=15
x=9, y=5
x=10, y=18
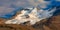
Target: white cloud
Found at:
x=22, y=3
x=5, y=10
x=6, y=5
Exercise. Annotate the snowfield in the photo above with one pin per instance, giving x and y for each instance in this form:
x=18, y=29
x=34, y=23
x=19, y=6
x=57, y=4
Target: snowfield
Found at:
x=32, y=15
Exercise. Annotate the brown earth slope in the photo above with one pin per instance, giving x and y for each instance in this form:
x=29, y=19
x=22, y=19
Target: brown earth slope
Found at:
x=52, y=23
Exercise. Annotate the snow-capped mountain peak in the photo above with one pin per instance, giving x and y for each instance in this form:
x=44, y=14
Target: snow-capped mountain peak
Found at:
x=31, y=15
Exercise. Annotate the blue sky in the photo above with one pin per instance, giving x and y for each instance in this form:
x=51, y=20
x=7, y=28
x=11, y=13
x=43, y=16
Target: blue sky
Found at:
x=7, y=7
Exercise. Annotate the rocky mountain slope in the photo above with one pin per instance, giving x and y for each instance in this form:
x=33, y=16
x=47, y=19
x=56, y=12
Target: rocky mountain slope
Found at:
x=52, y=23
